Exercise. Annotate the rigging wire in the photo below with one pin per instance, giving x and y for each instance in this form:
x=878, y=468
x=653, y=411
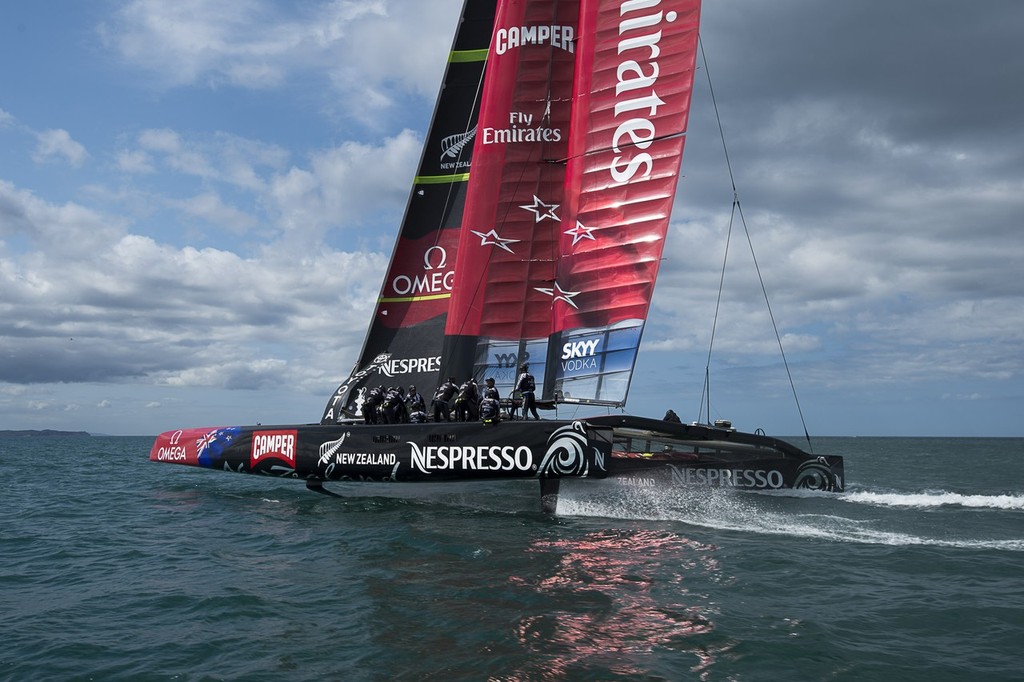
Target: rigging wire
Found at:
x=737, y=209
x=706, y=391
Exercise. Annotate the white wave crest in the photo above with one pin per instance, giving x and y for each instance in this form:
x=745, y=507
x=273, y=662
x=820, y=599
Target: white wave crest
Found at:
x=938, y=498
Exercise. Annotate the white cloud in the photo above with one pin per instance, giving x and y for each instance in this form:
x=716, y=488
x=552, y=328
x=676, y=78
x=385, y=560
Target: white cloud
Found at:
x=350, y=182
x=248, y=43
x=219, y=157
x=135, y=161
x=160, y=140
x=70, y=230
x=107, y=305
x=259, y=45
x=212, y=209
x=58, y=143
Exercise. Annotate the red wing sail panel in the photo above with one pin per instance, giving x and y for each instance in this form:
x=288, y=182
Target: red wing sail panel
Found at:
x=572, y=188
x=499, y=313
x=632, y=99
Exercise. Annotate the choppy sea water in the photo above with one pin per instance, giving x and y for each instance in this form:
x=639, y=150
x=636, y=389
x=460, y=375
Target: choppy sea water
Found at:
x=113, y=567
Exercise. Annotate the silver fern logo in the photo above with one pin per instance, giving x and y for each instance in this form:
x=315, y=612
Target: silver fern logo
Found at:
x=330, y=448
x=452, y=145
x=566, y=453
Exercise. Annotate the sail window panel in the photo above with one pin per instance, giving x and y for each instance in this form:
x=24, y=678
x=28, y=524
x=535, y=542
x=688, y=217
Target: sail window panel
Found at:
x=628, y=337
x=607, y=363
x=619, y=361
x=612, y=335
x=582, y=388
x=500, y=360
x=610, y=388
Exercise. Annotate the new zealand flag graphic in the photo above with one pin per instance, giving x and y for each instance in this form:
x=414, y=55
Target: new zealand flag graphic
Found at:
x=211, y=445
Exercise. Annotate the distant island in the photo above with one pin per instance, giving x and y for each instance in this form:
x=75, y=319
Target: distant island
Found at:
x=45, y=432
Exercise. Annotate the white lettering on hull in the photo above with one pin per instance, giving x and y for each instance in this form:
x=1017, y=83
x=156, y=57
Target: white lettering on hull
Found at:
x=729, y=478
x=477, y=458
x=171, y=454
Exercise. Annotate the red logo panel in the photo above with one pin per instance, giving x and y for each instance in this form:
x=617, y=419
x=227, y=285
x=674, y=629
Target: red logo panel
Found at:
x=273, y=445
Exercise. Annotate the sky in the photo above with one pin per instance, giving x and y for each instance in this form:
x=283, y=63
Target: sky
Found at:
x=198, y=201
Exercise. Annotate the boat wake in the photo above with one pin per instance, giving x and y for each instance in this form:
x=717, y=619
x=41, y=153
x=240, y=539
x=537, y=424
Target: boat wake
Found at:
x=937, y=498
x=864, y=517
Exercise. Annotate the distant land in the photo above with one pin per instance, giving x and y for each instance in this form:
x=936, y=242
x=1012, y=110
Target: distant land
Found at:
x=45, y=432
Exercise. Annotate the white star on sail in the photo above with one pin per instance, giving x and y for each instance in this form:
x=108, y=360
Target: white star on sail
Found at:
x=559, y=294
x=541, y=210
x=495, y=240
x=581, y=231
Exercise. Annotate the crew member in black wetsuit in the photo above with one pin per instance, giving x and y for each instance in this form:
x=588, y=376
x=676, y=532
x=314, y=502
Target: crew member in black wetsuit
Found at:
x=468, y=401
x=442, y=400
x=415, y=406
x=374, y=398
x=526, y=385
x=489, y=405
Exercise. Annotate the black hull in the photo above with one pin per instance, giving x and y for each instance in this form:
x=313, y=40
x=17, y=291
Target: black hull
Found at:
x=644, y=452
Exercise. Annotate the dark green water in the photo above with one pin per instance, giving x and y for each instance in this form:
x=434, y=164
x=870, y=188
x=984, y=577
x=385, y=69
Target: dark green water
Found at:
x=112, y=567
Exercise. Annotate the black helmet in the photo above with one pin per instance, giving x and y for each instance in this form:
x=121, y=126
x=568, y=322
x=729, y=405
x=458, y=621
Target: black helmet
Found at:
x=523, y=367
x=490, y=380
x=412, y=388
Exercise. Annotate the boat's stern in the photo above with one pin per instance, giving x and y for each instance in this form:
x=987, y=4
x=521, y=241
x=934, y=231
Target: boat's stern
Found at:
x=822, y=472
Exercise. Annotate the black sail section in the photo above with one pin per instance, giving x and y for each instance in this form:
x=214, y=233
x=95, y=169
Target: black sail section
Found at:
x=404, y=341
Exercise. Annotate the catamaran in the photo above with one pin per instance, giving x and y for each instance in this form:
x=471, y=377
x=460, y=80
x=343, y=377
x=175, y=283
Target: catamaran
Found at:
x=532, y=235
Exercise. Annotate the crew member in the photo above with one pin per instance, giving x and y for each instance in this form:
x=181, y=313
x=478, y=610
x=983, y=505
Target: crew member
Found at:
x=527, y=386
x=489, y=390
x=393, y=407
x=468, y=401
x=373, y=400
x=489, y=405
x=415, y=406
x=442, y=400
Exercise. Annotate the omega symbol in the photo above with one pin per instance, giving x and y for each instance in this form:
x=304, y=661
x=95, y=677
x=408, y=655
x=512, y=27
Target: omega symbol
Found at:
x=440, y=264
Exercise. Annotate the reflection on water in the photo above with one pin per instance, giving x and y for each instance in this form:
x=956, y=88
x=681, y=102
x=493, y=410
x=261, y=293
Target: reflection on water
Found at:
x=613, y=598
